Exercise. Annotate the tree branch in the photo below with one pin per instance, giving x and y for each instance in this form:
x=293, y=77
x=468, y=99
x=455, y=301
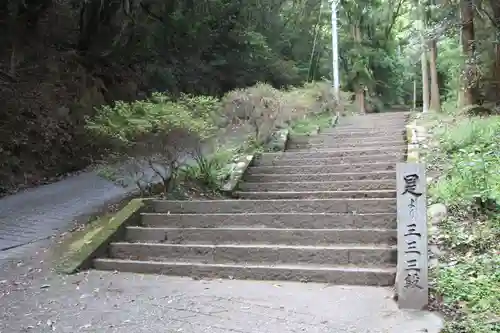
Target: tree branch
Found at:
x=393, y=20
x=148, y=11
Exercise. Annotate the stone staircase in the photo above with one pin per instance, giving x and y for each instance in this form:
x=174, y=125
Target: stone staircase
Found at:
x=323, y=211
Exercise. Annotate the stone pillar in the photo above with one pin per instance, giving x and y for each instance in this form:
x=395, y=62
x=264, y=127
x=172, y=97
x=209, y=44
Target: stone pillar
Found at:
x=412, y=273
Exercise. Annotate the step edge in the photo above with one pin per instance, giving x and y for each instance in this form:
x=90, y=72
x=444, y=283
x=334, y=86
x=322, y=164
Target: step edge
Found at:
x=382, y=268
x=341, y=247
x=315, y=192
x=329, y=150
x=320, y=166
x=328, y=173
x=257, y=214
x=260, y=228
x=269, y=200
x=362, y=181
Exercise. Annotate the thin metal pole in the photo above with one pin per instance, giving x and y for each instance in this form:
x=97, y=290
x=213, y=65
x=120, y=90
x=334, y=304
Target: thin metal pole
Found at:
x=335, y=52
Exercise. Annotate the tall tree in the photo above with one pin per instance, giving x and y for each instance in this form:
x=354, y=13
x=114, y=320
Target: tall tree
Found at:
x=495, y=9
x=423, y=57
x=435, y=100
x=469, y=83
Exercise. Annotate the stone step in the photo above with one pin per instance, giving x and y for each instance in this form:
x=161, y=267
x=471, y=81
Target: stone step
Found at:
x=399, y=130
x=301, y=177
x=339, y=164
x=386, y=205
x=346, y=254
x=378, y=118
x=315, y=194
x=283, y=236
x=384, y=184
x=330, y=153
x=347, y=141
x=314, y=141
x=295, y=220
x=374, y=124
x=367, y=121
x=332, y=145
x=361, y=135
x=328, y=147
x=372, y=276
x=333, y=168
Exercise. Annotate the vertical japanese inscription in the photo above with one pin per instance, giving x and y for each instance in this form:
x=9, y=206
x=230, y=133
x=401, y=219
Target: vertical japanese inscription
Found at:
x=412, y=279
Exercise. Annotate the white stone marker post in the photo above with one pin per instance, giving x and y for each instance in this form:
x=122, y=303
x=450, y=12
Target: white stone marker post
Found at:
x=412, y=273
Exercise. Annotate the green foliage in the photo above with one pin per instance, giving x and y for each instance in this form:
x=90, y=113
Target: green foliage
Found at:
x=265, y=108
x=473, y=178
x=473, y=284
x=130, y=122
x=467, y=277
x=158, y=132
x=309, y=124
x=209, y=171
x=154, y=134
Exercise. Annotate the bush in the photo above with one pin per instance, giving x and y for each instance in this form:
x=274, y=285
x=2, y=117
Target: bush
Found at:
x=210, y=171
x=467, y=278
x=156, y=134
x=204, y=107
x=473, y=178
x=259, y=106
x=266, y=108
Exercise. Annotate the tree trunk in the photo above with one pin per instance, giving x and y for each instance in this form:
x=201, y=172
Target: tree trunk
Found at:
x=425, y=82
x=435, y=98
x=495, y=8
x=360, y=91
x=422, y=19
x=414, y=94
x=469, y=82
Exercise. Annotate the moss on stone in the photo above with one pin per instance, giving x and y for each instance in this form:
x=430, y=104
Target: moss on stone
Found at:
x=82, y=246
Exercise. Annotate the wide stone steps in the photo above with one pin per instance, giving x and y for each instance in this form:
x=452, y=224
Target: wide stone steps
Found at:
x=361, y=134
x=379, y=205
x=331, y=153
x=345, y=275
x=295, y=220
x=324, y=161
x=315, y=194
x=387, y=184
x=260, y=236
x=342, y=254
x=361, y=166
x=326, y=145
x=367, y=131
x=316, y=177
x=322, y=211
x=345, y=142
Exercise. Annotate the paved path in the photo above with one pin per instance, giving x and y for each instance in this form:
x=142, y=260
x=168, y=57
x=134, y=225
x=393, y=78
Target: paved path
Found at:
x=107, y=302
x=39, y=213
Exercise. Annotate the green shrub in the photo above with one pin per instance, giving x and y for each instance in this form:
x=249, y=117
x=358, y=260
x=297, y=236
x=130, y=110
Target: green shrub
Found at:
x=131, y=122
x=473, y=284
x=266, y=109
x=308, y=124
x=468, y=278
x=473, y=178
x=259, y=106
x=204, y=107
x=209, y=171
x=154, y=133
